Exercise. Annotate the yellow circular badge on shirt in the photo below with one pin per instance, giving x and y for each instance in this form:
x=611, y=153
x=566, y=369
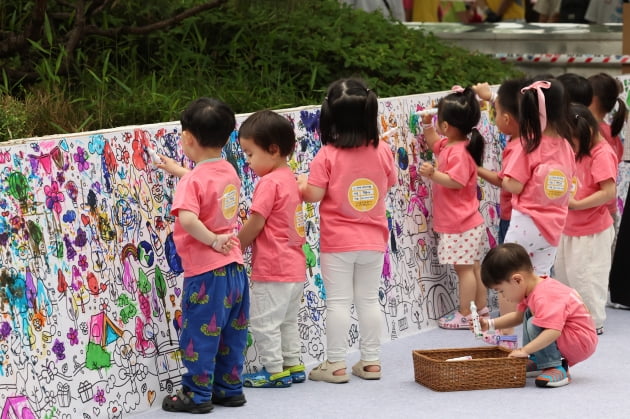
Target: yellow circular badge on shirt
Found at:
x=556, y=184
x=363, y=194
x=299, y=220
x=229, y=201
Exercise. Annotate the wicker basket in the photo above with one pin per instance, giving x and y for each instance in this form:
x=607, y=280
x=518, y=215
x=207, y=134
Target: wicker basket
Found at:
x=489, y=368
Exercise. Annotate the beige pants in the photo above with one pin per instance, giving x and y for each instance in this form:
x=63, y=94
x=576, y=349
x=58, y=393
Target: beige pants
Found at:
x=583, y=263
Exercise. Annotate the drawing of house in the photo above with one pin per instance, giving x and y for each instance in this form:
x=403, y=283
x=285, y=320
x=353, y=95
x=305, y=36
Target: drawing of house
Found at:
x=102, y=330
x=17, y=407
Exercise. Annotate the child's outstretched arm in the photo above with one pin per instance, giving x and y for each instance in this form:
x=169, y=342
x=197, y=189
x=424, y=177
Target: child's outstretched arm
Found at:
x=544, y=339
x=251, y=229
x=309, y=193
x=430, y=134
x=489, y=176
x=171, y=166
x=221, y=243
x=483, y=91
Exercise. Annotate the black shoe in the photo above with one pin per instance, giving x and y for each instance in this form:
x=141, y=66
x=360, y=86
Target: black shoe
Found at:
x=180, y=402
x=229, y=401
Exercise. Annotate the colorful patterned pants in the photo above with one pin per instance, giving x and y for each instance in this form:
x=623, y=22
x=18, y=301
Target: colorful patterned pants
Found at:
x=215, y=311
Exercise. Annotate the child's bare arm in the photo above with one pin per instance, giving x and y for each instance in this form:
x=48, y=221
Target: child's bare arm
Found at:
x=190, y=222
x=512, y=185
x=441, y=178
x=171, y=166
x=252, y=228
x=309, y=193
x=607, y=191
x=503, y=322
x=544, y=339
x=430, y=134
x=489, y=176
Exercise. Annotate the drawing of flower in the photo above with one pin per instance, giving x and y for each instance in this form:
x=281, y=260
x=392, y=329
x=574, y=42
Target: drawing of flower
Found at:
x=54, y=197
x=80, y=158
x=5, y=330
x=83, y=262
x=99, y=397
x=73, y=336
x=59, y=350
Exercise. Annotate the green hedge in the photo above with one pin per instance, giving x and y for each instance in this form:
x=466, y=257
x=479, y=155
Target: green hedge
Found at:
x=258, y=58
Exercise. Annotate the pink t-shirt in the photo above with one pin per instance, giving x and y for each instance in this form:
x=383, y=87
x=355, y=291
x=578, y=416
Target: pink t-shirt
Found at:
x=505, y=197
x=211, y=190
x=601, y=165
x=352, y=212
x=559, y=307
x=617, y=147
x=455, y=210
x=547, y=175
x=615, y=142
x=277, y=251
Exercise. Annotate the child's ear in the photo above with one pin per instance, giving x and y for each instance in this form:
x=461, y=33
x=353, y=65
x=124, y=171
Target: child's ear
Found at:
x=274, y=149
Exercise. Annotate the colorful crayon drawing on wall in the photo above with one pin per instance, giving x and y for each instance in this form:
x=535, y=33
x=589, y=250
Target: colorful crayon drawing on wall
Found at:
x=90, y=281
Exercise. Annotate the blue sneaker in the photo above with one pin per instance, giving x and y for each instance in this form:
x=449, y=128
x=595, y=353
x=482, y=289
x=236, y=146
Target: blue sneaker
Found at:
x=553, y=377
x=263, y=379
x=298, y=373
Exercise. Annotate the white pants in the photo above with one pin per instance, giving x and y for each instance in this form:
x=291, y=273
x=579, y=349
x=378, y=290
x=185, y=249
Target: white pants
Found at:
x=523, y=231
x=583, y=263
x=273, y=321
x=352, y=277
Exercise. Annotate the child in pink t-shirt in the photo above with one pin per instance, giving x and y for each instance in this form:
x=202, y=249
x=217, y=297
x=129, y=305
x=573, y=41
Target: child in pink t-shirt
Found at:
x=540, y=173
x=606, y=101
x=558, y=330
x=455, y=205
x=215, y=297
x=275, y=229
x=351, y=175
x=506, y=103
x=584, y=257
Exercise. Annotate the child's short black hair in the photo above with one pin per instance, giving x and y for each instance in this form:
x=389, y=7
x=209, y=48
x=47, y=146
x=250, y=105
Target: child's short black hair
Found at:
x=210, y=121
x=502, y=261
x=267, y=128
x=349, y=116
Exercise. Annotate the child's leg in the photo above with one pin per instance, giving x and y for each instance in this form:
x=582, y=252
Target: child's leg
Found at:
x=289, y=332
x=523, y=231
x=583, y=263
x=547, y=357
x=337, y=273
x=202, y=319
x=481, y=295
x=233, y=291
x=267, y=313
x=467, y=287
x=367, y=277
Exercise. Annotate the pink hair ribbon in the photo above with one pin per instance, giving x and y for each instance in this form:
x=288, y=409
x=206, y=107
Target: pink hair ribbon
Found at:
x=457, y=89
x=542, y=108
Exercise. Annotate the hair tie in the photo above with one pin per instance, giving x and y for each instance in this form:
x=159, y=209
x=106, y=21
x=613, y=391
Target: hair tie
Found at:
x=542, y=107
x=457, y=89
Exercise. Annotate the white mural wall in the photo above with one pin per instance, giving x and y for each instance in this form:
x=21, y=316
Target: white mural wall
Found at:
x=90, y=282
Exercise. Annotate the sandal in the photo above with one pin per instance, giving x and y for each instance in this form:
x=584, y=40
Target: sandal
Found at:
x=360, y=370
x=454, y=320
x=181, y=402
x=325, y=372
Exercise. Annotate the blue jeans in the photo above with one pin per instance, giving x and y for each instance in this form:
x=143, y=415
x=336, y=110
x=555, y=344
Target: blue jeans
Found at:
x=547, y=357
x=503, y=228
